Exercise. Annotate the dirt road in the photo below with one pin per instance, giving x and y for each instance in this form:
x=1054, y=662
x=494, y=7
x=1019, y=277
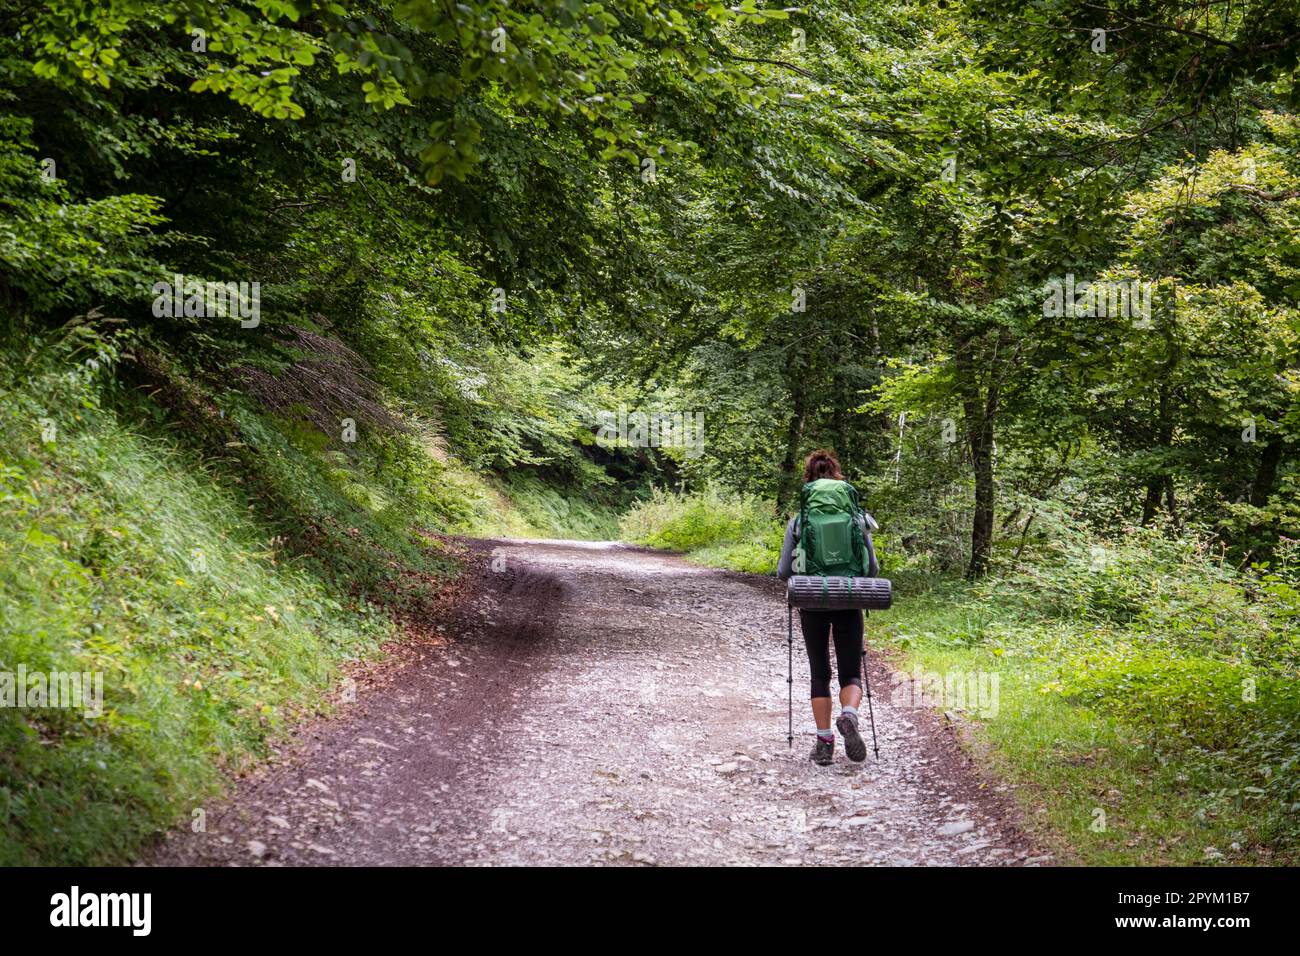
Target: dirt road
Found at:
x=591, y=704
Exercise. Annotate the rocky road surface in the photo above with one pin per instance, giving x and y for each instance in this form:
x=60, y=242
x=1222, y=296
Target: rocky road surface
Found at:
x=591, y=703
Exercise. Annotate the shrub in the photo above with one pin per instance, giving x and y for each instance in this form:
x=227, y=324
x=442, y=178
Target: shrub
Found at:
x=715, y=527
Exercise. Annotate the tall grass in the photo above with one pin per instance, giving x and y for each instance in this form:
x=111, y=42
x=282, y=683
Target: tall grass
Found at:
x=122, y=553
x=552, y=512
x=1150, y=704
x=713, y=527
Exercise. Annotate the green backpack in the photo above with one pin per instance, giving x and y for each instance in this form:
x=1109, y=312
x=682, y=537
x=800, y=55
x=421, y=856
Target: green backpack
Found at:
x=830, y=543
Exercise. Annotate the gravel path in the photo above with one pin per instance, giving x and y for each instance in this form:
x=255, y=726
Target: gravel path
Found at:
x=594, y=703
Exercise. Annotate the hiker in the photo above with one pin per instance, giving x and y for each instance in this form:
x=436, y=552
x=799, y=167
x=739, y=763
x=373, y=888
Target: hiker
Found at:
x=826, y=493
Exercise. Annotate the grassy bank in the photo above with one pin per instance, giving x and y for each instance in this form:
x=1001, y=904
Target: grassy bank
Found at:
x=125, y=556
x=213, y=563
x=1125, y=754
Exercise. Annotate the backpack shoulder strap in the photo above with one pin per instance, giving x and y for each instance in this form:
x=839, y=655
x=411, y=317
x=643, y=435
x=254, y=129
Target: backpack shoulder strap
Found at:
x=854, y=499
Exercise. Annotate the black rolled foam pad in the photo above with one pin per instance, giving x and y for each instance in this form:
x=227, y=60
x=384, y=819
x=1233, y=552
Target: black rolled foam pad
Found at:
x=815, y=593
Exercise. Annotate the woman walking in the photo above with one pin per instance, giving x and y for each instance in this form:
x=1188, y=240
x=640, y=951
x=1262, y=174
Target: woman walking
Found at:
x=821, y=628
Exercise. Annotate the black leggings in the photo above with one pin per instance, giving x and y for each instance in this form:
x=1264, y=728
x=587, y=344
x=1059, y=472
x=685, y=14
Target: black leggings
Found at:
x=817, y=627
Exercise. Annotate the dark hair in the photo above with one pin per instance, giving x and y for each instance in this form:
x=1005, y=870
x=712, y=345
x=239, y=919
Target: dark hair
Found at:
x=822, y=464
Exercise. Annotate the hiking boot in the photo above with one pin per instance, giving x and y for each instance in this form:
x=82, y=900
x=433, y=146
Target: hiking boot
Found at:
x=854, y=745
x=823, y=752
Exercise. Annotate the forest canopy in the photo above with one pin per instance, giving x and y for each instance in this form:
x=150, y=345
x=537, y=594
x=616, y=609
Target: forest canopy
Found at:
x=293, y=291
x=844, y=224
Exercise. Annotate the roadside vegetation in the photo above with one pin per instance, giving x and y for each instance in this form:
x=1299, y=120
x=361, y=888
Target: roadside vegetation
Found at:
x=1149, y=693
x=290, y=291
x=215, y=562
x=713, y=527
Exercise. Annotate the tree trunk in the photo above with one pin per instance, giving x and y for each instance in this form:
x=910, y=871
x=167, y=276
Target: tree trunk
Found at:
x=1262, y=535
x=789, y=480
x=980, y=408
x=1261, y=489
x=981, y=451
x=1160, y=485
x=1152, y=501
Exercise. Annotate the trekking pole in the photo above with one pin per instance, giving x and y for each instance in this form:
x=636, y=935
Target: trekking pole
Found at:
x=789, y=675
x=866, y=679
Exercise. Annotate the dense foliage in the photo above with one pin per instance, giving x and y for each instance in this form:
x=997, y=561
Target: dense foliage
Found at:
x=1032, y=267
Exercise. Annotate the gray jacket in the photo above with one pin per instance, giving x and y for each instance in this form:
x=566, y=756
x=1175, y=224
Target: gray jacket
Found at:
x=865, y=524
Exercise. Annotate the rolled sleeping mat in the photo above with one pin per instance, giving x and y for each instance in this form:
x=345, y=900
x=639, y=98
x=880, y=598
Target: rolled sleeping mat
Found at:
x=816, y=593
